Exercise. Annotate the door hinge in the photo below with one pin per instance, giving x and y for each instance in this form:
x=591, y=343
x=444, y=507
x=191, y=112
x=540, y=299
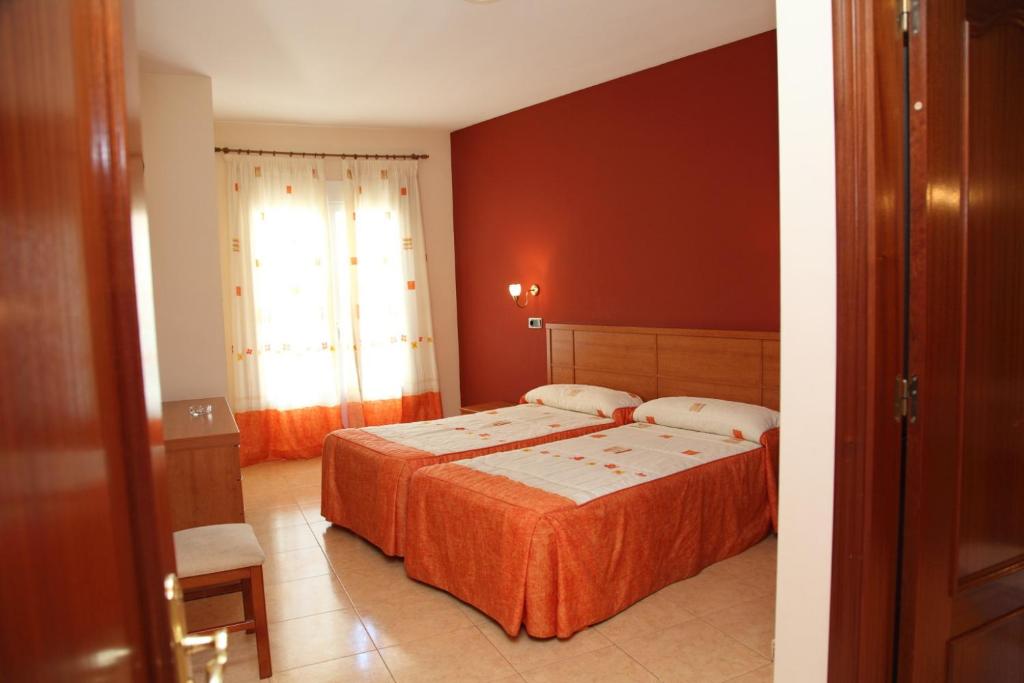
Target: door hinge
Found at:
x=910, y=12
x=906, y=398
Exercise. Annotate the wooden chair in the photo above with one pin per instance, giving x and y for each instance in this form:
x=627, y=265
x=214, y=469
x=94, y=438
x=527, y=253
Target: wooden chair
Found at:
x=226, y=558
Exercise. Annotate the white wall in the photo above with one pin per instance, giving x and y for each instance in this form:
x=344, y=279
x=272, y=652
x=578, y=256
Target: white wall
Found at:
x=808, y=245
x=177, y=140
x=435, y=176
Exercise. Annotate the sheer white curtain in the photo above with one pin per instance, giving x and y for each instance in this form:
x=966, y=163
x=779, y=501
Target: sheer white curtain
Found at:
x=329, y=301
x=375, y=210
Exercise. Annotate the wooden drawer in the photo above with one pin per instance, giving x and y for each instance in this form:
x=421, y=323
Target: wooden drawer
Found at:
x=204, y=479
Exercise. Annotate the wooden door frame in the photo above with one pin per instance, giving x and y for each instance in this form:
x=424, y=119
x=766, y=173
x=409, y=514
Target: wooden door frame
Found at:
x=141, y=418
x=870, y=175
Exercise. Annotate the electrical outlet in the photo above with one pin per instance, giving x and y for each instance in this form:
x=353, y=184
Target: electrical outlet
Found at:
x=534, y=323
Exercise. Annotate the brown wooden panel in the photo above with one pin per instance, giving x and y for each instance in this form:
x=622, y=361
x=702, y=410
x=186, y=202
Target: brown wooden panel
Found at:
x=770, y=375
x=561, y=347
x=987, y=601
x=994, y=653
x=655, y=362
x=869, y=92
x=992, y=477
x=668, y=386
x=671, y=331
x=182, y=431
x=562, y=375
x=204, y=487
x=964, y=485
x=615, y=351
x=770, y=363
x=711, y=360
x=204, y=478
x=646, y=387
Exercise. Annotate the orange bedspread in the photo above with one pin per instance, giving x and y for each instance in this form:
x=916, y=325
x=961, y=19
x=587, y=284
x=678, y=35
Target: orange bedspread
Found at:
x=528, y=557
x=366, y=479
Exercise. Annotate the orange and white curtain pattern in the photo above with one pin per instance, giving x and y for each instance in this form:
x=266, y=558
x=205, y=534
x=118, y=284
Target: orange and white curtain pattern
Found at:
x=330, y=310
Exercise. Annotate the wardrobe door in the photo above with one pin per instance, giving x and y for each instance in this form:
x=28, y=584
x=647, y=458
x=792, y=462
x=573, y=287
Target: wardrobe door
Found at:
x=962, y=613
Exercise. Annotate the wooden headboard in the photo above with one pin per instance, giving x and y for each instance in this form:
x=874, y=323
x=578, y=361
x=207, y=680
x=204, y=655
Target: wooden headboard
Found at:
x=656, y=361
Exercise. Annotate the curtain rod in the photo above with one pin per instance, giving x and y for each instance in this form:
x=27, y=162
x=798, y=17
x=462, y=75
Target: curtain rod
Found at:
x=322, y=155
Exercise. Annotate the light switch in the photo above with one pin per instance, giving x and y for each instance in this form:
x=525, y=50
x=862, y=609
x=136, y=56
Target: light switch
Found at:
x=534, y=323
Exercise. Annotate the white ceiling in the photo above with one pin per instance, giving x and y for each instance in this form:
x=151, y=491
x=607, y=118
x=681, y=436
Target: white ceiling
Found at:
x=427, y=63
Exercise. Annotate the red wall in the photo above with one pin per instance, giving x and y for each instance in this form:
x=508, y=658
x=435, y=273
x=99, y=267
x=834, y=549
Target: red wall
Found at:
x=649, y=200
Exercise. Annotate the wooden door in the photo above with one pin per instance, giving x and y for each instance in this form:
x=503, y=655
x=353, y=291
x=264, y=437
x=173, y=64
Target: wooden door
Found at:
x=962, y=612
x=83, y=526
x=870, y=88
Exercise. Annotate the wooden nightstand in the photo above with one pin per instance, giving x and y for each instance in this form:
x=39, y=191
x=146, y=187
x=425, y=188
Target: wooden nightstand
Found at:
x=484, y=407
x=204, y=479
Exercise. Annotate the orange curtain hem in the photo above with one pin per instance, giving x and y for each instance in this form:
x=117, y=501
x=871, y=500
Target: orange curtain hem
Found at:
x=299, y=434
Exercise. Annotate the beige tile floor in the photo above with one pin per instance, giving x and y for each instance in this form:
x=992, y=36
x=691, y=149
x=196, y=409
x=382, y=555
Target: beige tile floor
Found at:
x=341, y=611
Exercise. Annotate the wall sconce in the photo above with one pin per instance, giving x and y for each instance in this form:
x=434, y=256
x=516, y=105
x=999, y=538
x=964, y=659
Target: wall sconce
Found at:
x=515, y=290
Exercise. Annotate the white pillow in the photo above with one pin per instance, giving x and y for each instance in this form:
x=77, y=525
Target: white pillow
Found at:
x=583, y=398
x=709, y=415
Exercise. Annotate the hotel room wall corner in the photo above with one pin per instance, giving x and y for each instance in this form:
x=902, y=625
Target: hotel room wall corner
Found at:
x=179, y=176
x=604, y=195
x=808, y=329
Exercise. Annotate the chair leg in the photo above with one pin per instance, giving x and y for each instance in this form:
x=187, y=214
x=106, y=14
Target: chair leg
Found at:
x=247, y=602
x=259, y=606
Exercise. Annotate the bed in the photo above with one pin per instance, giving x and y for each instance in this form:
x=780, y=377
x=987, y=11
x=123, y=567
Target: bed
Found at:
x=566, y=535
x=366, y=471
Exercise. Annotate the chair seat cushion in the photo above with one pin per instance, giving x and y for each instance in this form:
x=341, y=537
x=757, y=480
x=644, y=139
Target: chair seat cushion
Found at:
x=216, y=548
